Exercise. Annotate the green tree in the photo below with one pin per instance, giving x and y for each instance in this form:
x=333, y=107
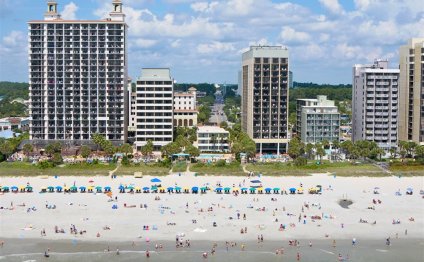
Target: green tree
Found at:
x=182, y=141
x=296, y=148
x=419, y=152
x=223, y=125
x=52, y=148
x=319, y=149
x=126, y=149
x=147, y=149
x=57, y=158
x=28, y=148
x=170, y=149
x=85, y=151
x=6, y=148
x=309, y=149
x=192, y=151
x=243, y=144
x=393, y=152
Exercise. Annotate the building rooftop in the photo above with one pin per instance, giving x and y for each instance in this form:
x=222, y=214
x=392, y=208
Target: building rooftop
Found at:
x=211, y=129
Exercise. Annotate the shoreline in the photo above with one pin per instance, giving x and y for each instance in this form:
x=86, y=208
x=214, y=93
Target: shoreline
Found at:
x=407, y=248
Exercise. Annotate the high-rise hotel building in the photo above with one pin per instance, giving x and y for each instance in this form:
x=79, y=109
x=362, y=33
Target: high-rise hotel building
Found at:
x=375, y=104
x=411, y=91
x=78, y=76
x=154, y=108
x=265, y=84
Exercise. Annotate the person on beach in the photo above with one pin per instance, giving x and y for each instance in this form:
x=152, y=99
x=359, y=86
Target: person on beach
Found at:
x=334, y=243
x=147, y=253
x=117, y=251
x=310, y=244
x=298, y=256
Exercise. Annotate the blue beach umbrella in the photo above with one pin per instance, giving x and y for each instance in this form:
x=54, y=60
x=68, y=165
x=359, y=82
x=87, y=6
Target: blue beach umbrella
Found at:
x=155, y=180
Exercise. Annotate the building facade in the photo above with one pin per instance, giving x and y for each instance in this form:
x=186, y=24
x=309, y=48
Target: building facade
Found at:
x=78, y=76
x=375, y=104
x=154, y=108
x=265, y=80
x=185, y=108
x=317, y=120
x=212, y=139
x=411, y=91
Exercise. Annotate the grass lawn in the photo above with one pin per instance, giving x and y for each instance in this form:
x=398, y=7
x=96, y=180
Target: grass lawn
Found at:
x=27, y=169
x=148, y=170
x=407, y=170
x=180, y=166
x=340, y=169
x=234, y=169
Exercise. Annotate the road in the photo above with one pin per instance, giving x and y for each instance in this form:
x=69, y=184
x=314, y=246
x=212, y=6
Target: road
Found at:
x=217, y=114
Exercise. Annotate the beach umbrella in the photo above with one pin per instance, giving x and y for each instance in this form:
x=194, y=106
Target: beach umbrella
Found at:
x=5, y=189
x=121, y=187
x=376, y=188
x=98, y=188
x=59, y=188
x=90, y=188
x=29, y=188
x=255, y=181
x=146, y=188
x=13, y=188
x=137, y=188
x=276, y=189
x=195, y=189
x=82, y=188
x=170, y=188
x=108, y=188
x=73, y=188
x=227, y=189
x=409, y=189
x=155, y=180
x=292, y=189
x=22, y=188
x=178, y=188
x=130, y=187
x=154, y=188
x=244, y=188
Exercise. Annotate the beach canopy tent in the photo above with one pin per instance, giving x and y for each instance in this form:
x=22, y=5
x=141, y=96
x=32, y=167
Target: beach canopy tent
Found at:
x=155, y=180
x=186, y=190
x=82, y=188
x=236, y=189
x=90, y=188
x=59, y=188
x=244, y=190
x=50, y=188
x=195, y=189
x=108, y=188
x=268, y=190
x=154, y=188
x=138, y=189
x=98, y=188
x=292, y=190
x=73, y=188
x=146, y=189
x=5, y=189
x=252, y=190
x=218, y=190
x=130, y=187
x=276, y=189
x=28, y=188
x=227, y=190
x=255, y=181
x=14, y=188
x=203, y=189
x=170, y=189
x=178, y=189
x=300, y=190
x=121, y=189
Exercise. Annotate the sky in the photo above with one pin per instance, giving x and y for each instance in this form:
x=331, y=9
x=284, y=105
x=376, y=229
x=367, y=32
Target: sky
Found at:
x=202, y=41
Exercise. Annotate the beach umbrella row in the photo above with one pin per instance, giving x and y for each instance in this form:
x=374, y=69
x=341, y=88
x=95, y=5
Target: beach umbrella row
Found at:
x=15, y=189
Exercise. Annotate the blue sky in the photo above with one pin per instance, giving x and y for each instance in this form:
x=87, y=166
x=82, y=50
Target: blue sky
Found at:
x=202, y=41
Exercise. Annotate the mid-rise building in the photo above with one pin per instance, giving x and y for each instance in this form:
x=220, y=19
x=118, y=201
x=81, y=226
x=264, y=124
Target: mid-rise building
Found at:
x=265, y=82
x=212, y=139
x=154, y=108
x=411, y=91
x=78, y=76
x=375, y=104
x=317, y=120
x=185, y=110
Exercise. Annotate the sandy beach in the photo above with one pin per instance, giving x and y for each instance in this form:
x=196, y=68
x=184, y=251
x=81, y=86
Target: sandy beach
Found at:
x=25, y=215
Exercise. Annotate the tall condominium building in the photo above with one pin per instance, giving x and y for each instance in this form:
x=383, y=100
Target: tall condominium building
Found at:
x=317, y=120
x=78, y=76
x=265, y=78
x=411, y=91
x=154, y=107
x=375, y=104
x=185, y=110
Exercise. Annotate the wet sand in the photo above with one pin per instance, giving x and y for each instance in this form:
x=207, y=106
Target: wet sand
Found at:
x=401, y=249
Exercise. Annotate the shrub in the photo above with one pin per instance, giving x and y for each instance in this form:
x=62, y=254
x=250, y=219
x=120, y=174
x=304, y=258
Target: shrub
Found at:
x=300, y=161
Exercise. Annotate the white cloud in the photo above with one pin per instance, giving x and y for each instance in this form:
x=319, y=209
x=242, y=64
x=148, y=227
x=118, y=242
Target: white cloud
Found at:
x=362, y=4
x=145, y=43
x=14, y=38
x=69, y=11
x=333, y=6
x=289, y=35
x=204, y=7
x=215, y=47
x=239, y=7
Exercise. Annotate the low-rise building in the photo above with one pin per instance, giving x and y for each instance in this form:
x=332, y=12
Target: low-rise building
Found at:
x=212, y=139
x=317, y=120
x=185, y=111
x=10, y=123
